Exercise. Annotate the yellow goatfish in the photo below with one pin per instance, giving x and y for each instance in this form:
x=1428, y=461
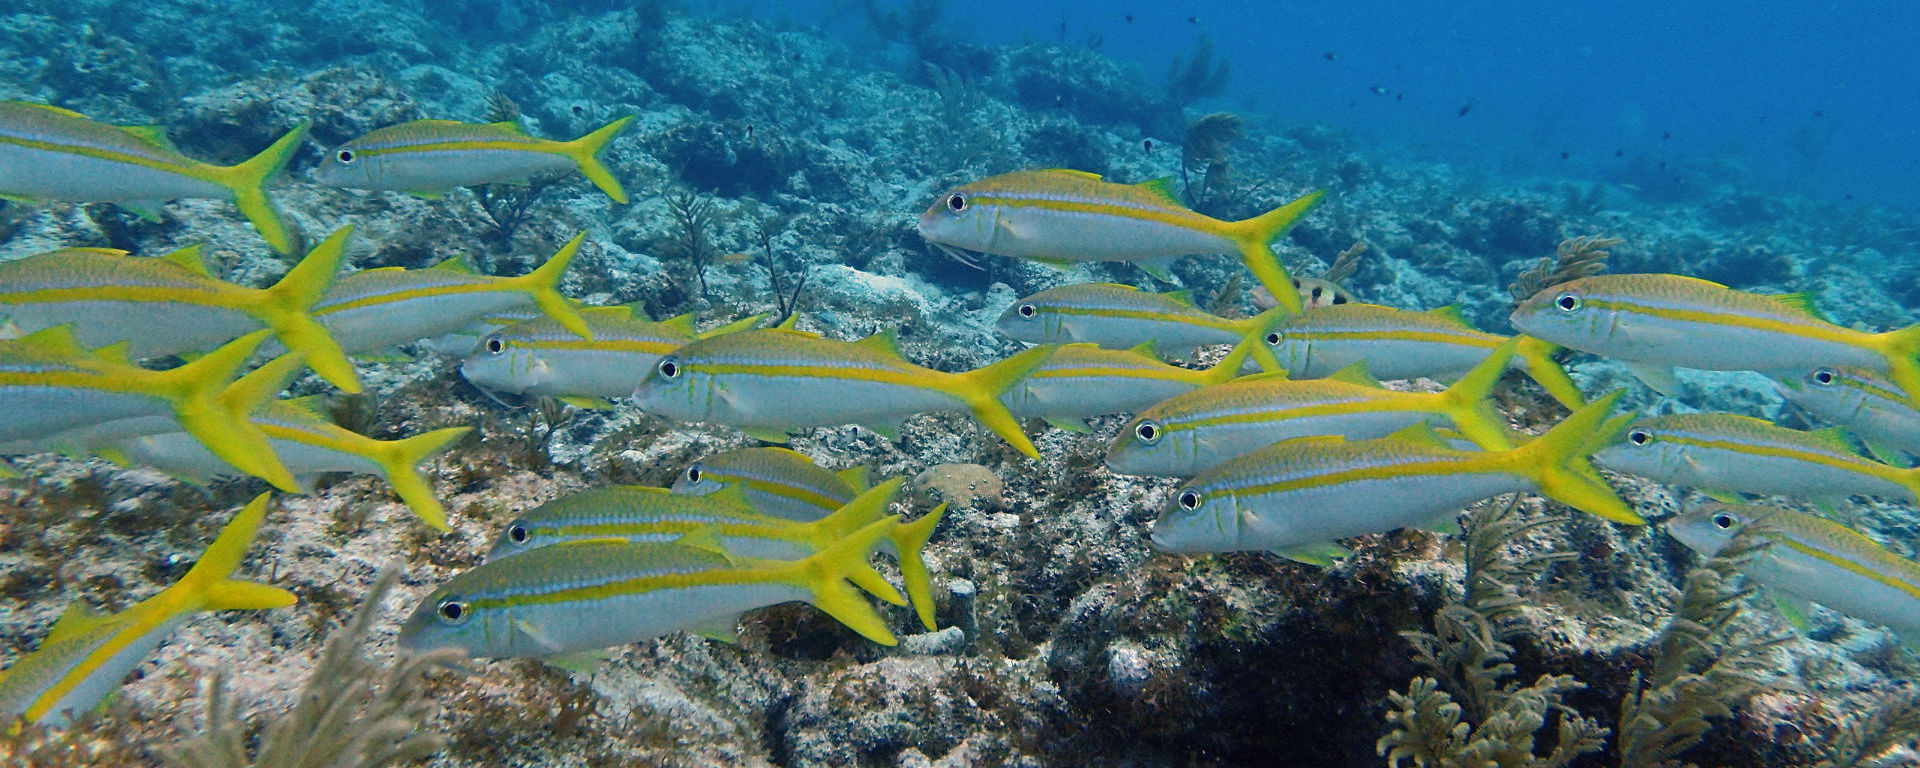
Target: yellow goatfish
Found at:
x=49, y=153
x=174, y=304
x=86, y=655
x=1062, y=216
x=430, y=156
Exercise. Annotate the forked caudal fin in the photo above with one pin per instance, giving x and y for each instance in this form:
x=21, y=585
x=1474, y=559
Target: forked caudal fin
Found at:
x=909, y=542
x=1256, y=236
x=286, y=310
x=1558, y=462
x=209, y=580
x=220, y=420
x=981, y=389
x=248, y=181
x=859, y=513
x=543, y=286
x=400, y=460
x=1901, y=348
x=1543, y=369
x=1469, y=401
x=585, y=152
x=826, y=575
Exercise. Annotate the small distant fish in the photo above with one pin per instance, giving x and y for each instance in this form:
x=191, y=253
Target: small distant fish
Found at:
x=779, y=482
x=1814, y=559
x=1656, y=322
x=768, y=381
x=1124, y=317
x=173, y=304
x=1863, y=402
x=433, y=156
x=1403, y=344
x=310, y=446
x=542, y=357
x=1296, y=497
x=1083, y=380
x=1063, y=216
x=1378, y=90
x=1465, y=108
x=53, y=385
x=85, y=657
x=1188, y=434
x=1329, y=56
x=598, y=593
x=378, y=308
x=49, y=153
x=1725, y=452
x=641, y=515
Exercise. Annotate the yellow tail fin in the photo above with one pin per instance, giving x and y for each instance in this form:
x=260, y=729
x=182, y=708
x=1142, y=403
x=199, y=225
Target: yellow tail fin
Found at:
x=543, y=285
x=859, y=513
x=400, y=461
x=585, y=151
x=248, y=181
x=1558, y=462
x=1901, y=347
x=826, y=575
x=1256, y=236
x=1542, y=368
x=218, y=420
x=287, y=302
x=909, y=540
x=1229, y=367
x=981, y=389
x=1469, y=401
x=208, y=581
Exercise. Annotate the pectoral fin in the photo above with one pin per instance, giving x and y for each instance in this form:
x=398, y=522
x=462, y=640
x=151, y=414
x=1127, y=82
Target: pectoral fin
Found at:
x=1659, y=377
x=1321, y=554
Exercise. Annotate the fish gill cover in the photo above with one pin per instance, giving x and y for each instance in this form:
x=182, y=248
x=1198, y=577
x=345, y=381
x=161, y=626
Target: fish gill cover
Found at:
x=830, y=231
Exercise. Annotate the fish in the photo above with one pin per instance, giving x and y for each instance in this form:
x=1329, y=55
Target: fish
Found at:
x=767, y=381
x=1124, y=317
x=1731, y=453
x=1657, y=322
x=309, y=445
x=641, y=514
x=779, y=482
x=86, y=655
x=49, y=153
x=434, y=156
x=1082, y=380
x=378, y=308
x=1062, y=216
x=1315, y=293
x=1297, y=496
x=542, y=357
x=52, y=385
x=583, y=595
x=174, y=304
x=1191, y=433
x=1864, y=403
x=1404, y=344
x=1815, y=559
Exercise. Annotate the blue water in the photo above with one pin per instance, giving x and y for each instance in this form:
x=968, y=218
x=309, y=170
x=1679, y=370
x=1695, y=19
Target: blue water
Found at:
x=1810, y=98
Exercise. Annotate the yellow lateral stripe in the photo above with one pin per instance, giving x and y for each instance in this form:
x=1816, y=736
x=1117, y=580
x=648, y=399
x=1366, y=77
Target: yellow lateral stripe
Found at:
x=1169, y=373
x=463, y=145
x=85, y=667
x=114, y=156
x=1819, y=331
x=599, y=344
x=130, y=293
x=910, y=379
x=1842, y=461
x=1849, y=566
x=1436, y=467
x=1180, y=218
x=129, y=381
x=639, y=585
x=1436, y=337
x=1368, y=405
x=1148, y=314
x=803, y=495
x=411, y=294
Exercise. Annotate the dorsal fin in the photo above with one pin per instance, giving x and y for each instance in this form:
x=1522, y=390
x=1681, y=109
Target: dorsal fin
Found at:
x=1419, y=432
x=681, y=323
x=151, y=134
x=58, y=338
x=743, y=324
x=1116, y=285
x=79, y=617
x=884, y=341
x=1801, y=303
x=615, y=312
x=1836, y=438
x=189, y=259
x=732, y=495
x=1451, y=314
x=792, y=321
x=855, y=477
x=1145, y=349
x=1183, y=296
x=62, y=111
x=453, y=264
x=1162, y=188
x=706, y=537
x=1071, y=172
x=1264, y=376
x=93, y=250
x=1356, y=374
x=512, y=126
x=116, y=352
x=1314, y=440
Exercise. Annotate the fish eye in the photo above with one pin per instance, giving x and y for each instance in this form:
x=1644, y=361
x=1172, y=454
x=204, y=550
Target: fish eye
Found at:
x=517, y=533
x=495, y=345
x=1339, y=299
x=1148, y=432
x=669, y=369
x=344, y=155
x=1722, y=521
x=1567, y=302
x=1823, y=376
x=693, y=474
x=956, y=202
x=452, y=610
x=1190, y=500
x=1296, y=282
x=1027, y=310
x=1639, y=437
x=1273, y=339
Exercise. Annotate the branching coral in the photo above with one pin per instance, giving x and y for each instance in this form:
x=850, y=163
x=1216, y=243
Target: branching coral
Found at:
x=695, y=216
x=508, y=205
x=342, y=719
x=1577, y=257
x=788, y=302
x=1205, y=152
x=963, y=137
x=1197, y=75
x=1346, y=264
x=1894, y=722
